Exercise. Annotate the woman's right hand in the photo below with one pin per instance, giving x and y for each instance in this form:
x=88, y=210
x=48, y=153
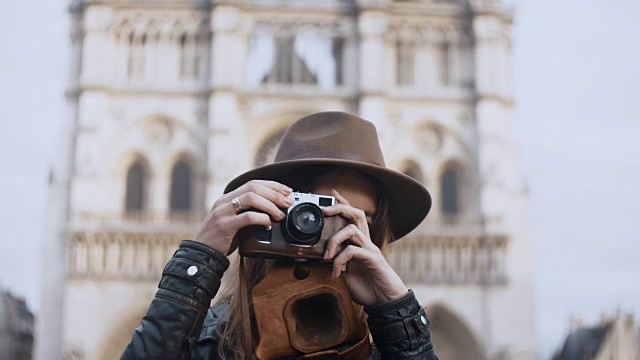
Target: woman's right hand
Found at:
x=258, y=202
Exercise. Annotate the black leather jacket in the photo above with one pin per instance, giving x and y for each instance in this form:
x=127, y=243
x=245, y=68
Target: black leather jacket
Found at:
x=179, y=323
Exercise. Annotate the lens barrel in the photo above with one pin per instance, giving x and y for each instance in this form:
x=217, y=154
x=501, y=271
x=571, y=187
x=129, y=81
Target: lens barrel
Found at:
x=304, y=224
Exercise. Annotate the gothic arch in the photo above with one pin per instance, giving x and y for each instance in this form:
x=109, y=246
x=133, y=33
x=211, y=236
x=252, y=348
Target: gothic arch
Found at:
x=440, y=133
x=176, y=32
x=120, y=335
x=123, y=30
x=156, y=129
x=181, y=187
x=160, y=23
x=442, y=145
x=152, y=30
x=134, y=198
x=450, y=202
x=139, y=27
x=267, y=149
x=412, y=169
x=194, y=161
x=174, y=125
x=196, y=181
x=453, y=187
x=187, y=27
x=180, y=28
x=452, y=339
x=267, y=136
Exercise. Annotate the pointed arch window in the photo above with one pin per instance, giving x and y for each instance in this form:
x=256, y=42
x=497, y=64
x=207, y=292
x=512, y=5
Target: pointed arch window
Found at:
x=445, y=63
x=135, y=64
x=267, y=151
x=449, y=192
x=181, y=184
x=190, y=45
x=284, y=60
x=288, y=66
x=405, y=62
x=136, y=180
x=412, y=169
x=337, y=50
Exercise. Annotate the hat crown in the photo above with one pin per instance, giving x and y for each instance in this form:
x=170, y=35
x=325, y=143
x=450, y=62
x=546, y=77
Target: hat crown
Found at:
x=331, y=135
x=340, y=139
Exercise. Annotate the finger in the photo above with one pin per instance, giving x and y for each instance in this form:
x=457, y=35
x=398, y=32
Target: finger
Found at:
x=264, y=189
x=354, y=215
x=350, y=253
x=341, y=199
x=256, y=202
x=348, y=212
x=350, y=234
x=248, y=218
x=272, y=190
x=362, y=216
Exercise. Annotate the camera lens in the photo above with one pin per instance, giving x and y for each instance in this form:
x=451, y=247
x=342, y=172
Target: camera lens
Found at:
x=304, y=223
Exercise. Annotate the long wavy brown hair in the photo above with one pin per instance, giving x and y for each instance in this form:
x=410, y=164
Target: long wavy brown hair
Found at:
x=231, y=344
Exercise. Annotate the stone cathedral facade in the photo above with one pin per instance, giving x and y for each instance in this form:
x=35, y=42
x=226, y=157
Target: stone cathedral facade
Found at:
x=170, y=99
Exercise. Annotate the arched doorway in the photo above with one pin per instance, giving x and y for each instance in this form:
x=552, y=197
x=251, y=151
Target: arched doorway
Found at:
x=120, y=337
x=451, y=338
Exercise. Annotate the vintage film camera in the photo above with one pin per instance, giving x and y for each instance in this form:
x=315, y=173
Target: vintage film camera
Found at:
x=301, y=235
x=298, y=306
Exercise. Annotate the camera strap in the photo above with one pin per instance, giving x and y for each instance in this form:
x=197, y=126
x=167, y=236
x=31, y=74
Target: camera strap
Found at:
x=245, y=314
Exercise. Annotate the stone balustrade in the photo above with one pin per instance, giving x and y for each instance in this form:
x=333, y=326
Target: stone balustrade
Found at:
x=459, y=223
x=137, y=217
x=448, y=250
x=450, y=260
x=121, y=256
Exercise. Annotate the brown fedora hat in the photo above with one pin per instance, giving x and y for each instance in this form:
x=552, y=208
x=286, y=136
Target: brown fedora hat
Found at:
x=340, y=139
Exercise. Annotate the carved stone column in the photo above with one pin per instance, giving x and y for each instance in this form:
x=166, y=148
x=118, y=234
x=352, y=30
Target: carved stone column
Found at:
x=48, y=337
x=373, y=24
x=227, y=144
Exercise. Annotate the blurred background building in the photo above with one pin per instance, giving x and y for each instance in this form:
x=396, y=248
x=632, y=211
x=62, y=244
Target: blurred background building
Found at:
x=614, y=338
x=169, y=99
x=16, y=327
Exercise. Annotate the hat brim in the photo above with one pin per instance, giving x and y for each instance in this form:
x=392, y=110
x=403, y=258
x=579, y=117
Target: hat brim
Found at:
x=408, y=200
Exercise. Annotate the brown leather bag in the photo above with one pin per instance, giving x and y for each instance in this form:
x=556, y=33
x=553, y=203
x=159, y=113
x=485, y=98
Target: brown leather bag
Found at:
x=307, y=313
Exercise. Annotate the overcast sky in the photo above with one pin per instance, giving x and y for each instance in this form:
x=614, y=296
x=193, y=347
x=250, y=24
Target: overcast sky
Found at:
x=577, y=72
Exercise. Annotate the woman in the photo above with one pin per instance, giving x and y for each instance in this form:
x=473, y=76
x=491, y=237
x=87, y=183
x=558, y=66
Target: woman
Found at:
x=331, y=153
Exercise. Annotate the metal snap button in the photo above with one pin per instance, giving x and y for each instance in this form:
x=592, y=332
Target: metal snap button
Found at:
x=192, y=270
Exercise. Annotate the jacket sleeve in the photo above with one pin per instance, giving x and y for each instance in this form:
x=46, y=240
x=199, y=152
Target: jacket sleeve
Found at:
x=174, y=319
x=400, y=329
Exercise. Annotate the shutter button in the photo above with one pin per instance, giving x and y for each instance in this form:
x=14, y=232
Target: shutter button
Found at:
x=192, y=270
x=423, y=319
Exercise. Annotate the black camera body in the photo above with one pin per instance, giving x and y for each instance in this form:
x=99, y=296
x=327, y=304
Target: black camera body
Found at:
x=301, y=235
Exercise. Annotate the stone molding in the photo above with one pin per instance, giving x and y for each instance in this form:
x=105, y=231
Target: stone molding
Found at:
x=120, y=256
x=457, y=248
x=438, y=224
x=78, y=5
x=429, y=32
x=292, y=25
x=141, y=218
x=166, y=24
x=474, y=260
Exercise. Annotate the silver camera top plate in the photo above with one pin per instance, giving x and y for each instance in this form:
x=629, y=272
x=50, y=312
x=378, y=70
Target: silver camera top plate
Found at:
x=320, y=200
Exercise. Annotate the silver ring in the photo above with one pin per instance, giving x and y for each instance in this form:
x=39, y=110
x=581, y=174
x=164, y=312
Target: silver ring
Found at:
x=236, y=204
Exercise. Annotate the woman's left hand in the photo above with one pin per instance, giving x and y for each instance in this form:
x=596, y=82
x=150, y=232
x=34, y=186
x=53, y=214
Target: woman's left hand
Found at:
x=368, y=275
